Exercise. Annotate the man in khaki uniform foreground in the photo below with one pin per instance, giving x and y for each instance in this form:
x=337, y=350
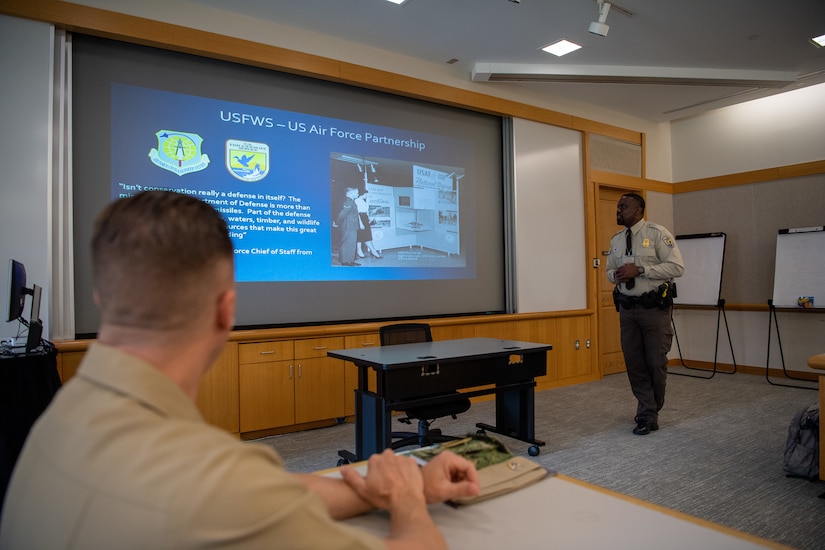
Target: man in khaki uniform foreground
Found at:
x=122, y=457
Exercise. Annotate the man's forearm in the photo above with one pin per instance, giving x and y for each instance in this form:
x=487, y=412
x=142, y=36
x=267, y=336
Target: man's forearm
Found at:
x=341, y=501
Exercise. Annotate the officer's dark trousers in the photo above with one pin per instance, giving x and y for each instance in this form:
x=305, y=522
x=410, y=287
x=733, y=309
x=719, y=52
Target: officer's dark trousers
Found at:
x=646, y=338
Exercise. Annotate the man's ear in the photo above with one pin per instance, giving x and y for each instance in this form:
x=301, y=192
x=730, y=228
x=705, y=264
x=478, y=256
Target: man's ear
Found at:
x=226, y=310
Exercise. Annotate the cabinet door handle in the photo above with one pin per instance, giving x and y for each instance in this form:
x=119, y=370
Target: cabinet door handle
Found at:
x=299, y=370
x=290, y=372
x=270, y=352
x=367, y=344
x=319, y=348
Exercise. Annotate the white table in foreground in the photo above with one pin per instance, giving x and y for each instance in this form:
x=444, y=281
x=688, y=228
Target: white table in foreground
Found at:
x=561, y=512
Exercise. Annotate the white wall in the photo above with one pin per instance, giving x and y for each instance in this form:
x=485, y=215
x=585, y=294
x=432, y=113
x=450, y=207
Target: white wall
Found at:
x=769, y=132
x=773, y=131
x=549, y=218
x=25, y=146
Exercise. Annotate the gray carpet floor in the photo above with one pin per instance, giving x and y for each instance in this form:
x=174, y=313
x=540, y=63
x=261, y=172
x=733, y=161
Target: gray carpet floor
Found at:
x=718, y=454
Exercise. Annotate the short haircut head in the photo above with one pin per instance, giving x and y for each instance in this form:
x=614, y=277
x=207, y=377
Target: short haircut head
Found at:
x=158, y=258
x=638, y=198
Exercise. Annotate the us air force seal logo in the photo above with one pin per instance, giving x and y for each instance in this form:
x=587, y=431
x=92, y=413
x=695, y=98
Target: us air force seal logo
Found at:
x=179, y=152
x=247, y=160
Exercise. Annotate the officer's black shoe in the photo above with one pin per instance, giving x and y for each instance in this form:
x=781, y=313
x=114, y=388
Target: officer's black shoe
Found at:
x=644, y=427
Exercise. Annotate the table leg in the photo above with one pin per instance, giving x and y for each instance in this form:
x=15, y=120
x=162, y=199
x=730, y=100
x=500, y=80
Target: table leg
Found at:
x=515, y=416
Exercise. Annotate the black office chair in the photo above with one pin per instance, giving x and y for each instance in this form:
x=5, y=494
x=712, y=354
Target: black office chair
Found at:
x=410, y=333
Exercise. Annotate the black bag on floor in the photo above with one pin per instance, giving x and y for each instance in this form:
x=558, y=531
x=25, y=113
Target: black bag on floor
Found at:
x=802, y=446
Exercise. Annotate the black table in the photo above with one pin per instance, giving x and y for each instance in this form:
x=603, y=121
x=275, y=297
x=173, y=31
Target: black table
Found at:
x=410, y=375
x=28, y=381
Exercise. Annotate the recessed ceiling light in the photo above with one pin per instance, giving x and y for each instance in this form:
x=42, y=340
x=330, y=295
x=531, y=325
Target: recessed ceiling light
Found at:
x=819, y=40
x=399, y=2
x=561, y=47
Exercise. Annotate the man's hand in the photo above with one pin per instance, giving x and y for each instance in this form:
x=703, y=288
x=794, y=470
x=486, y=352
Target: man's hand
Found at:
x=449, y=476
x=391, y=480
x=625, y=272
x=394, y=483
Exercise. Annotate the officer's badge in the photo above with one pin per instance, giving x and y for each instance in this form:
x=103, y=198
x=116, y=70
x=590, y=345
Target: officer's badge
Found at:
x=179, y=152
x=646, y=243
x=247, y=160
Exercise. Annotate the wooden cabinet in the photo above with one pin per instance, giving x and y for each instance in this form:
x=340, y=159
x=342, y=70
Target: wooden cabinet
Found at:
x=68, y=363
x=289, y=382
x=218, y=391
x=277, y=380
x=218, y=397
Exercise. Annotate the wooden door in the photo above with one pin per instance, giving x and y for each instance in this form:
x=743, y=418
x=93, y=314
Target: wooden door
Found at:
x=611, y=360
x=267, y=395
x=319, y=389
x=319, y=380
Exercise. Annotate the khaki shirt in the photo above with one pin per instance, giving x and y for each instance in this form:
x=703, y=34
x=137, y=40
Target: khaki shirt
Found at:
x=123, y=459
x=654, y=248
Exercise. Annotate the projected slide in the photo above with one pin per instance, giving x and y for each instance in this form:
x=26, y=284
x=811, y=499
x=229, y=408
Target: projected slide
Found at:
x=306, y=198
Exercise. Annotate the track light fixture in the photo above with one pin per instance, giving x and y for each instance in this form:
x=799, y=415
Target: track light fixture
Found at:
x=600, y=27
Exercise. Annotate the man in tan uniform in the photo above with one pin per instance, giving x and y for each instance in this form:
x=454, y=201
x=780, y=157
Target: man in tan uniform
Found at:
x=122, y=457
x=643, y=261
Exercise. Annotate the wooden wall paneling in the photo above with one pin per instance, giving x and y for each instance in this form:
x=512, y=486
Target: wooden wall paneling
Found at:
x=505, y=330
x=69, y=363
x=575, y=358
x=542, y=331
x=453, y=332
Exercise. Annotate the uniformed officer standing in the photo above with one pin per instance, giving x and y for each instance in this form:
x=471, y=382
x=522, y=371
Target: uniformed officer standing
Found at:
x=642, y=263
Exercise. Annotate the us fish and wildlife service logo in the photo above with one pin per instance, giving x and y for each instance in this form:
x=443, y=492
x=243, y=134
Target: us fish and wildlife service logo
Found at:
x=179, y=152
x=247, y=160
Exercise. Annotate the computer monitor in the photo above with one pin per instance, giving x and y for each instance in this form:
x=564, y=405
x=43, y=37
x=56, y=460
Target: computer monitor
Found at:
x=17, y=304
x=17, y=290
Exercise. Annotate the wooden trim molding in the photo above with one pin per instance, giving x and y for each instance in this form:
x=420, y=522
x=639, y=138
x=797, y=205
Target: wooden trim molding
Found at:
x=344, y=329
x=754, y=176
x=147, y=32
x=632, y=182
x=776, y=173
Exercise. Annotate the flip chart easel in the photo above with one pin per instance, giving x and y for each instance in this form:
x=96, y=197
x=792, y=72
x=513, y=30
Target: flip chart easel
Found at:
x=800, y=261
x=701, y=285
